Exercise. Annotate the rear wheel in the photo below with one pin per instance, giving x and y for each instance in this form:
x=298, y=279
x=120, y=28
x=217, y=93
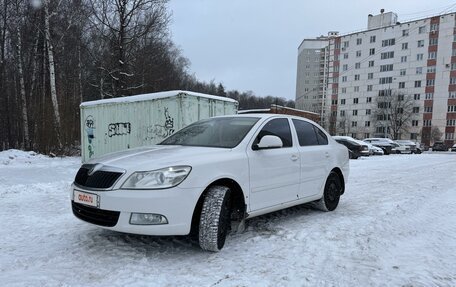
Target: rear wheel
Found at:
x=215, y=218
x=331, y=194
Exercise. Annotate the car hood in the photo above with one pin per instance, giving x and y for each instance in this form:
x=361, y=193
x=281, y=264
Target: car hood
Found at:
x=158, y=156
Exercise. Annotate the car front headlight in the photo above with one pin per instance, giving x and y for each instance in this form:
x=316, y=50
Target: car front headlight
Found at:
x=157, y=179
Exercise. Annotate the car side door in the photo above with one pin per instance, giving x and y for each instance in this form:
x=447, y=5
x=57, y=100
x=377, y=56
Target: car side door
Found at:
x=274, y=173
x=315, y=155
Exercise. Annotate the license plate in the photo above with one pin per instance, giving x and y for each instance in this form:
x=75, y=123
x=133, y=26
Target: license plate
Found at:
x=86, y=198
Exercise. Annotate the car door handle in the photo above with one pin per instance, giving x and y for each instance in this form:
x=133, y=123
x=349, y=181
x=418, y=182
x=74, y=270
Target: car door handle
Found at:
x=327, y=154
x=294, y=157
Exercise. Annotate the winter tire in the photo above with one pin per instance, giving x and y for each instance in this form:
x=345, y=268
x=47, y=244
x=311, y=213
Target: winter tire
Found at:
x=215, y=218
x=331, y=194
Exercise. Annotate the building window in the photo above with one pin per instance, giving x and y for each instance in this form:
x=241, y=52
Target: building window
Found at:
x=453, y=66
x=345, y=55
x=358, y=53
x=431, y=69
x=367, y=123
x=386, y=68
x=369, y=88
x=345, y=44
x=359, y=41
x=388, y=42
x=344, y=90
x=419, y=70
x=449, y=136
x=344, y=78
x=371, y=63
x=368, y=99
x=342, y=101
x=417, y=84
x=420, y=43
x=387, y=55
x=452, y=81
x=427, y=123
x=402, y=72
x=429, y=96
x=357, y=65
x=451, y=109
x=400, y=97
x=356, y=89
x=405, y=32
x=401, y=85
x=372, y=39
x=413, y=136
x=416, y=110
x=404, y=46
x=452, y=95
x=422, y=29
x=414, y=123
x=342, y=113
x=428, y=109
x=372, y=51
x=434, y=27
x=432, y=55
x=419, y=57
x=356, y=77
x=370, y=76
x=355, y=100
x=433, y=41
x=430, y=82
x=355, y=112
x=416, y=97
x=368, y=111
x=403, y=59
x=354, y=124
x=451, y=123
x=344, y=67
x=385, y=80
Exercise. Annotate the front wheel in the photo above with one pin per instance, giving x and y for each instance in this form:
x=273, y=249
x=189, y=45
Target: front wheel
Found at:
x=331, y=194
x=215, y=218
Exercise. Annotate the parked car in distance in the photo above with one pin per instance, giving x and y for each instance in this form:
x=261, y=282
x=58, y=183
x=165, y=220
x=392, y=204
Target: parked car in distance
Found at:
x=357, y=148
x=374, y=150
x=414, y=147
x=385, y=144
x=211, y=175
x=401, y=148
x=439, y=146
x=453, y=148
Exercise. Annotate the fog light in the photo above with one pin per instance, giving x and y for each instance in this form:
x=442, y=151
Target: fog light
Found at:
x=147, y=219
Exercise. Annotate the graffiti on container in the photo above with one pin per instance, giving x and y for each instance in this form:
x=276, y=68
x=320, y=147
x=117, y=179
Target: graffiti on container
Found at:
x=161, y=131
x=89, y=128
x=119, y=129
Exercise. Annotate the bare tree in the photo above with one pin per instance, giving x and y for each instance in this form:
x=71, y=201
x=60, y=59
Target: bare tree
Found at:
x=123, y=24
x=393, y=113
x=436, y=134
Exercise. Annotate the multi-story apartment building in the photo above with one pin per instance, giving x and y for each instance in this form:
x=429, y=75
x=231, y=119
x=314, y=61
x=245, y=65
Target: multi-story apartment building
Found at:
x=412, y=62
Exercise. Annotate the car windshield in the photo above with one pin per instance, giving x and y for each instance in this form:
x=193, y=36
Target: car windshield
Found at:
x=224, y=132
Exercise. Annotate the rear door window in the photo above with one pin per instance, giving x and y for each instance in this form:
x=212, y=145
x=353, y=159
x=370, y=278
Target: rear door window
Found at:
x=306, y=133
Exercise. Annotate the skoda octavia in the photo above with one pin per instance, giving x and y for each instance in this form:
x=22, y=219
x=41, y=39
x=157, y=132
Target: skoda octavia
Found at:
x=211, y=176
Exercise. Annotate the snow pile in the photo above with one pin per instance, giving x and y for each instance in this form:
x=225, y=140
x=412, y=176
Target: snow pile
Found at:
x=395, y=226
x=18, y=157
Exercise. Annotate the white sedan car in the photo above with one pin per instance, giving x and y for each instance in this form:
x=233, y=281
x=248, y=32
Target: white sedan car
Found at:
x=212, y=175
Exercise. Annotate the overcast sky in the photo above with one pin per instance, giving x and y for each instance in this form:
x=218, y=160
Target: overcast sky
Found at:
x=252, y=44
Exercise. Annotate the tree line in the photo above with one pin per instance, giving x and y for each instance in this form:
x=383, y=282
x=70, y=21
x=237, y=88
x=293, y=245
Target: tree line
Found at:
x=55, y=54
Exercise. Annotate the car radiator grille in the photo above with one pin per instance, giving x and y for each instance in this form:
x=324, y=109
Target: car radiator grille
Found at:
x=96, y=216
x=99, y=179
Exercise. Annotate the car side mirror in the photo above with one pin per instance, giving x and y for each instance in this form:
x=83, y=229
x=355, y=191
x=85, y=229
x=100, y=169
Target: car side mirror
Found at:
x=268, y=142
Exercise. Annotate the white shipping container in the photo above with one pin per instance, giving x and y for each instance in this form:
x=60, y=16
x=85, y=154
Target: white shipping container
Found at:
x=122, y=123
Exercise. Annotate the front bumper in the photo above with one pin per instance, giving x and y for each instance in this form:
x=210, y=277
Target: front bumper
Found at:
x=176, y=204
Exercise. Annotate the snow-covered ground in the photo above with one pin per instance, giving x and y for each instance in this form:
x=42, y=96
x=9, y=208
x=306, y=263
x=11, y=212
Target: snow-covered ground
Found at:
x=395, y=226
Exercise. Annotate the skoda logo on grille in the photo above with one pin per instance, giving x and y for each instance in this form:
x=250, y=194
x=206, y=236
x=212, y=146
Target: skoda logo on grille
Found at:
x=94, y=169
